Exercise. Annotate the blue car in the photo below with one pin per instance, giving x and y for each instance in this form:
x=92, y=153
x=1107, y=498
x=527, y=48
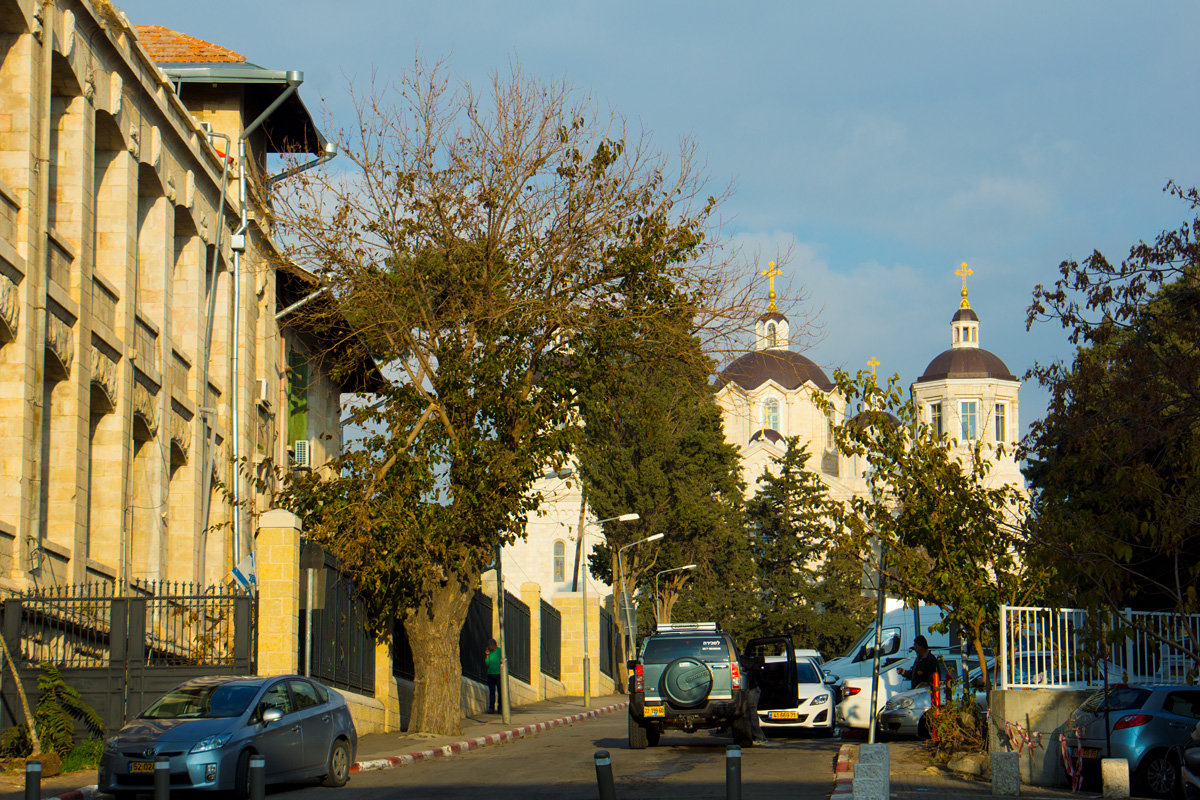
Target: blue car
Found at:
x=210, y=727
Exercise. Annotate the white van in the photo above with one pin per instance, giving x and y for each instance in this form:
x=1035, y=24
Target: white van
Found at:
x=900, y=628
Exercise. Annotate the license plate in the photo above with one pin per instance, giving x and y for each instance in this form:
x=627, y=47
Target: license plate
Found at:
x=141, y=766
x=1089, y=752
x=784, y=715
x=654, y=711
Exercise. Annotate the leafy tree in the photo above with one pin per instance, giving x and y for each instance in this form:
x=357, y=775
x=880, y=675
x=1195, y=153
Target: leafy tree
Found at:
x=949, y=537
x=808, y=582
x=1113, y=465
x=652, y=442
x=478, y=240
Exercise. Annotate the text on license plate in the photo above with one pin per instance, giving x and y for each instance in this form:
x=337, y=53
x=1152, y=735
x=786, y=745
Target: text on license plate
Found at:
x=654, y=711
x=784, y=715
x=1089, y=752
x=141, y=766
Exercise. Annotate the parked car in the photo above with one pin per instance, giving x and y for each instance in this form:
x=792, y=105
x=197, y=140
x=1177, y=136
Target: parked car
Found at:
x=1144, y=723
x=810, y=708
x=907, y=713
x=210, y=727
x=687, y=676
x=854, y=705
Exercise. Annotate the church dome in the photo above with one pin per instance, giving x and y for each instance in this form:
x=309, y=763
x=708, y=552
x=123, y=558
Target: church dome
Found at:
x=787, y=368
x=966, y=362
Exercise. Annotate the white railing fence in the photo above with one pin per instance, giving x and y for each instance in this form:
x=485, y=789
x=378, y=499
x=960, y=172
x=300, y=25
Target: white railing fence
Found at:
x=1063, y=648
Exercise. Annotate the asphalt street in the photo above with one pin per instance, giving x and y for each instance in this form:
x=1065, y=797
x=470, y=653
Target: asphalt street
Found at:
x=559, y=764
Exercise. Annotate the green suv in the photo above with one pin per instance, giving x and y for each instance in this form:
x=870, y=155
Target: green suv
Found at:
x=687, y=676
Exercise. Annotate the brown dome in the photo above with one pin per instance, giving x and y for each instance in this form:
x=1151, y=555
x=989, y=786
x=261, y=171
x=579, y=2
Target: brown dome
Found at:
x=787, y=368
x=966, y=362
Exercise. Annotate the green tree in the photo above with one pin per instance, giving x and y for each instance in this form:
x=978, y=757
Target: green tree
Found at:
x=948, y=537
x=1113, y=466
x=808, y=582
x=476, y=241
x=652, y=442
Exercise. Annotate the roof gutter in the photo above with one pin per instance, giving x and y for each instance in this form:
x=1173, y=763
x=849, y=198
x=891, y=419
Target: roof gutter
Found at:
x=328, y=151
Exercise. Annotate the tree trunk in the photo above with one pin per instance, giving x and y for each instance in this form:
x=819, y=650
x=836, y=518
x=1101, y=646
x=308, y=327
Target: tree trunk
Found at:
x=33, y=736
x=987, y=676
x=433, y=630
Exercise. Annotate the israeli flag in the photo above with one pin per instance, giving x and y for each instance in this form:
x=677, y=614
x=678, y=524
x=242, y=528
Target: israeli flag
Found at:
x=245, y=574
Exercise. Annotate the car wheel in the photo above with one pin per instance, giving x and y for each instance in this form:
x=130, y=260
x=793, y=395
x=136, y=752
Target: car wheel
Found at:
x=637, y=735
x=1158, y=774
x=241, y=776
x=653, y=735
x=337, y=770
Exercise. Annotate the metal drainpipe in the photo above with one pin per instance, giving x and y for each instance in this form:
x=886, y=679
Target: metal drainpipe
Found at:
x=208, y=414
x=294, y=79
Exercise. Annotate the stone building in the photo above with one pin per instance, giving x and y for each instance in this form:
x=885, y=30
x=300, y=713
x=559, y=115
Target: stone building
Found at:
x=142, y=352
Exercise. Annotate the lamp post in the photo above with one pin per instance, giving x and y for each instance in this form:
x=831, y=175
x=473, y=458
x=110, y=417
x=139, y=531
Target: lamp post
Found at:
x=621, y=596
x=657, y=602
x=587, y=663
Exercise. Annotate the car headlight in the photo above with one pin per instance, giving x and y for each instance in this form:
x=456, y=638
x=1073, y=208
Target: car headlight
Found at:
x=820, y=699
x=899, y=702
x=214, y=742
x=110, y=744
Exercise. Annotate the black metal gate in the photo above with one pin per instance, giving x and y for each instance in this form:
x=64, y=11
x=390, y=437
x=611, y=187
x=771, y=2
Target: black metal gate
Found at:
x=610, y=645
x=516, y=637
x=551, y=645
x=343, y=649
x=121, y=653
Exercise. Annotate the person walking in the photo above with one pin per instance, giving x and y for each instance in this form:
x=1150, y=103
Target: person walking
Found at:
x=491, y=657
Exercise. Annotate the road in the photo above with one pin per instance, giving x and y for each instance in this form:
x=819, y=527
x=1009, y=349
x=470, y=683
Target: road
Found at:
x=559, y=764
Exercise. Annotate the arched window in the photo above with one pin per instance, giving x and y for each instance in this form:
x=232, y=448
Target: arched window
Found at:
x=560, y=561
x=771, y=336
x=771, y=413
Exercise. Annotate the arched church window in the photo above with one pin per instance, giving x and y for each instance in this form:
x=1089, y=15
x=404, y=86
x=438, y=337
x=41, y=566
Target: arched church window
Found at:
x=771, y=413
x=771, y=336
x=560, y=561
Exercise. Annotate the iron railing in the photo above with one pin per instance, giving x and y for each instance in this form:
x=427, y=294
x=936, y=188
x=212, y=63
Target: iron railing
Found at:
x=516, y=637
x=551, y=644
x=609, y=646
x=474, y=636
x=1066, y=648
x=343, y=649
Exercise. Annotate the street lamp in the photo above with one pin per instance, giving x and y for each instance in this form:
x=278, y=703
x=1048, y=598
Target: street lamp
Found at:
x=587, y=664
x=621, y=597
x=657, y=603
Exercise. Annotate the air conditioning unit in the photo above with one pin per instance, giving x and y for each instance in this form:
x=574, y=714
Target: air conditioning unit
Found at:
x=302, y=454
x=262, y=396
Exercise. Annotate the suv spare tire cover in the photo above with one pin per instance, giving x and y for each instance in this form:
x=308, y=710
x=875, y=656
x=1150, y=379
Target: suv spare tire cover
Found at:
x=687, y=681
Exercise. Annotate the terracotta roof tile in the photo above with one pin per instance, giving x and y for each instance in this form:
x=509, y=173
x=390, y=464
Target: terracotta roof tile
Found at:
x=166, y=46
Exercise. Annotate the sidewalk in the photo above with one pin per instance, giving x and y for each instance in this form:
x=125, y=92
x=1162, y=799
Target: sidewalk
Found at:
x=385, y=750
x=914, y=776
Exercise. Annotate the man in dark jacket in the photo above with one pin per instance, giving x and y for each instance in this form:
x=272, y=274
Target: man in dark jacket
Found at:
x=925, y=667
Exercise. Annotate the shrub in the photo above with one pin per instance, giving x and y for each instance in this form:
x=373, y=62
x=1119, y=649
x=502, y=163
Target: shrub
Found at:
x=57, y=710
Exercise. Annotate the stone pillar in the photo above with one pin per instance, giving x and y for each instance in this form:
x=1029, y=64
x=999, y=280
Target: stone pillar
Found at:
x=1006, y=774
x=386, y=690
x=872, y=778
x=531, y=595
x=277, y=562
x=1114, y=778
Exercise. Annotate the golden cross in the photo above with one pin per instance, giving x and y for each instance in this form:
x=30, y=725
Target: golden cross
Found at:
x=963, y=271
x=873, y=363
x=771, y=271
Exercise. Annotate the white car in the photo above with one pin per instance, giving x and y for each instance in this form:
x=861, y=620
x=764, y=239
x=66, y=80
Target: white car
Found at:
x=811, y=709
x=854, y=710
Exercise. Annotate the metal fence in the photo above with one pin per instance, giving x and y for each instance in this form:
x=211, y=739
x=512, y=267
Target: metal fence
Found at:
x=516, y=637
x=609, y=646
x=551, y=645
x=343, y=649
x=1066, y=648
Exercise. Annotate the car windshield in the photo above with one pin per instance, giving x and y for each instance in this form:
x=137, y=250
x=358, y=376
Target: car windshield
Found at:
x=806, y=673
x=195, y=702
x=665, y=649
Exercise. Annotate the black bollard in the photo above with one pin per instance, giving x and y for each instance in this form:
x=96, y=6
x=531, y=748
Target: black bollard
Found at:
x=162, y=779
x=33, y=780
x=733, y=772
x=258, y=778
x=604, y=776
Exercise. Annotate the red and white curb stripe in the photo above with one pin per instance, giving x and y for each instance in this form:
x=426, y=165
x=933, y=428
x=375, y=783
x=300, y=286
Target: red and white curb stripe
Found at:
x=482, y=741
x=84, y=793
x=843, y=782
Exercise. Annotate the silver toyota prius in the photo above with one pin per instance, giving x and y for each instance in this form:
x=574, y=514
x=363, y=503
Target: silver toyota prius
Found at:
x=210, y=727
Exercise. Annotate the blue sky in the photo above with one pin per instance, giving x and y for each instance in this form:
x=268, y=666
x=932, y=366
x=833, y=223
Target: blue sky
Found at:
x=885, y=142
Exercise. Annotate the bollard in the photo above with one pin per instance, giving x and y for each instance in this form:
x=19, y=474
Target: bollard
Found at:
x=258, y=778
x=733, y=772
x=162, y=779
x=604, y=776
x=33, y=780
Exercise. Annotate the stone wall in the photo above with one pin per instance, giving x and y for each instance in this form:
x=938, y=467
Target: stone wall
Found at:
x=1043, y=714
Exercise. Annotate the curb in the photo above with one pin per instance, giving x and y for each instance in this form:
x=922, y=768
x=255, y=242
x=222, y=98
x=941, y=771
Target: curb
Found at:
x=482, y=741
x=843, y=786
x=82, y=793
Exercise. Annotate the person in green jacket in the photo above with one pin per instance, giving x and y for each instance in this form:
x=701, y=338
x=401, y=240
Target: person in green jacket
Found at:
x=492, y=659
